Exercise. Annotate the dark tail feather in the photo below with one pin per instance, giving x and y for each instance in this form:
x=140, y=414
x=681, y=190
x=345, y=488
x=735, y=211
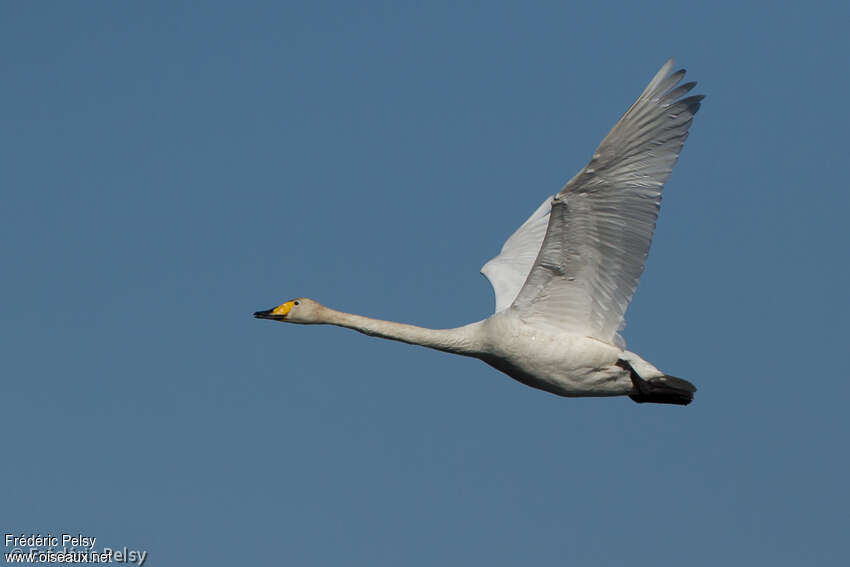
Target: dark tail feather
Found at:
x=662, y=390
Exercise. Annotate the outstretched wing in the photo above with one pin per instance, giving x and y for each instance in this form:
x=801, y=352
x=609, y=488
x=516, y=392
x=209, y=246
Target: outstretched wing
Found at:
x=600, y=224
x=509, y=270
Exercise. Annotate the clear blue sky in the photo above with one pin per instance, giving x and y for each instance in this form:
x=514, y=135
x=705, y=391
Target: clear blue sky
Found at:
x=170, y=168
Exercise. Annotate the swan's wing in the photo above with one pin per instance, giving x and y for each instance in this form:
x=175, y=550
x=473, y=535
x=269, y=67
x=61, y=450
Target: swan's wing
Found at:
x=601, y=223
x=509, y=270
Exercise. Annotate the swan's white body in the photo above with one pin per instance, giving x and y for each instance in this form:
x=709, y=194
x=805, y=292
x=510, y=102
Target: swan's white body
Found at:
x=562, y=363
x=564, y=279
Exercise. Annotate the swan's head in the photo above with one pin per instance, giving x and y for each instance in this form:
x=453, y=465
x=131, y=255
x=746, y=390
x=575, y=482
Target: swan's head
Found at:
x=301, y=310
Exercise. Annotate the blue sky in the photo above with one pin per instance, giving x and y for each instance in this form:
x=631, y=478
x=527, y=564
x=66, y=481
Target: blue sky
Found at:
x=170, y=168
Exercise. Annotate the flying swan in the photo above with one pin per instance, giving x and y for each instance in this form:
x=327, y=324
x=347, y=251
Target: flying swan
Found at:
x=564, y=279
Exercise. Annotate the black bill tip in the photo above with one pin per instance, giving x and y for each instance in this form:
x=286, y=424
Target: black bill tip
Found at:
x=267, y=314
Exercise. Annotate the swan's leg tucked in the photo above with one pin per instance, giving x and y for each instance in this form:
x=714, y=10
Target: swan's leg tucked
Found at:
x=659, y=390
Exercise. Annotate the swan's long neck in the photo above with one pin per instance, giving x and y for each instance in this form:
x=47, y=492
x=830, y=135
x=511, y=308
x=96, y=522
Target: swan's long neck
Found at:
x=464, y=340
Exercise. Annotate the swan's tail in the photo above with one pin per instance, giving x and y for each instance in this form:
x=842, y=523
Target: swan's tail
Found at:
x=662, y=390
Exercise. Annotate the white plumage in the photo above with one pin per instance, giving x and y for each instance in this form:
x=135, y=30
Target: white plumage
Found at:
x=564, y=279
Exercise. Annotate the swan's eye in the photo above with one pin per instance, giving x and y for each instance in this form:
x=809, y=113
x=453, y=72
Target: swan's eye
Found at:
x=297, y=303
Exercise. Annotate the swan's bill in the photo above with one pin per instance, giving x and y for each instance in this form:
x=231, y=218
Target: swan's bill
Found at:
x=276, y=314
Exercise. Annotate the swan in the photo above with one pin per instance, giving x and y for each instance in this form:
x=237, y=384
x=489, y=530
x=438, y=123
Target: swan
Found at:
x=564, y=279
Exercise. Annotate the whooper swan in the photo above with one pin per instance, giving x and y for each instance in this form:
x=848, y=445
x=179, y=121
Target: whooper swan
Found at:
x=563, y=280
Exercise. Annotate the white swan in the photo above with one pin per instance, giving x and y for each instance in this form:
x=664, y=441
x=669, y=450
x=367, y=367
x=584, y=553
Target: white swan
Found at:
x=564, y=279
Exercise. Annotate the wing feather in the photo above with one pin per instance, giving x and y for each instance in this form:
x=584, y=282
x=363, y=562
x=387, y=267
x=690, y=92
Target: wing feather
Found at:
x=600, y=224
x=509, y=270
